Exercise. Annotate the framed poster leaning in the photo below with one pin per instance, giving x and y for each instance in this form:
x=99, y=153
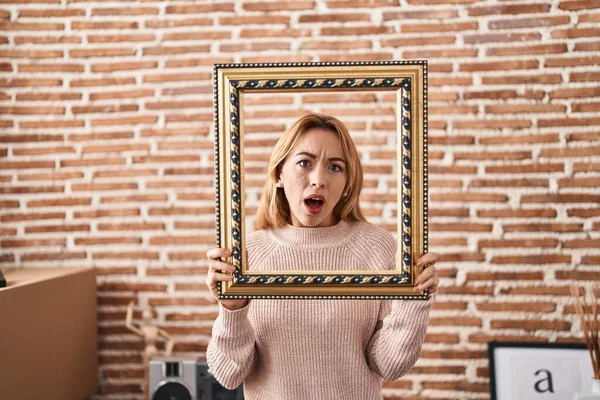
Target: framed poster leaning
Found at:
x=549, y=371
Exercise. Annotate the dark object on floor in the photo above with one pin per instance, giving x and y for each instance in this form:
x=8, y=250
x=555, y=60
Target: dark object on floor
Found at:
x=2, y=280
x=181, y=377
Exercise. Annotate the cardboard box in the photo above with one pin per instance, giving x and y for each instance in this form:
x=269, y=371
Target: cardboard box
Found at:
x=48, y=334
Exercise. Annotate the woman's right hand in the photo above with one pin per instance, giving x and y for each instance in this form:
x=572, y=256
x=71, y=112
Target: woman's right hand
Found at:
x=219, y=271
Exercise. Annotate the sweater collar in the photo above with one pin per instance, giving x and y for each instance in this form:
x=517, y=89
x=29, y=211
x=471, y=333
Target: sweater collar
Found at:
x=311, y=238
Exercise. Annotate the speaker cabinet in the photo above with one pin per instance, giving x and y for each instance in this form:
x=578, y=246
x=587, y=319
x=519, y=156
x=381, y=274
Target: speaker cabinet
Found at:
x=186, y=378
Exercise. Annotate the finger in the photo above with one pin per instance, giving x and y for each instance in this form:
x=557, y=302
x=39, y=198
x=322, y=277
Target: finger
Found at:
x=214, y=254
x=427, y=274
x=211, y=254
x=427, y=284
x=217, y=254
x=431, y=284
x=428, y=258
x=217, y=276
x=221, y=266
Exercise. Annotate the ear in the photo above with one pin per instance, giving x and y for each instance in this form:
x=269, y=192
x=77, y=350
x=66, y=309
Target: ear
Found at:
x=278, y=181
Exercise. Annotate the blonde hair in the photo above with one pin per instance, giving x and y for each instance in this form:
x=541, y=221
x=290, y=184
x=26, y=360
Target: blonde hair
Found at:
x=274, y=210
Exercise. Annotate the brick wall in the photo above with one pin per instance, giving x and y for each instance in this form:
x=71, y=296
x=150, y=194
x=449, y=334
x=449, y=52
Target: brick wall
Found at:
x=107, y=159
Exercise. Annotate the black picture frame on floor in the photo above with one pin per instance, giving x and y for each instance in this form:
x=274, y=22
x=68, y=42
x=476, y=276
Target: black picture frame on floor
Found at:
x=554, y=370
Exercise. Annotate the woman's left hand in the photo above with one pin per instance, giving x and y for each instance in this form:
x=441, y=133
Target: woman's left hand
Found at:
x=428, y=278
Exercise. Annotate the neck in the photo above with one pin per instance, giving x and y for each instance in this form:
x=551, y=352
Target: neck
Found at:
x=330, y=221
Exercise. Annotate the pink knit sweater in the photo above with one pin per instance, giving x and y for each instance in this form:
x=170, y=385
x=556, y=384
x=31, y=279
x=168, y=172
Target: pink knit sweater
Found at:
x=318, y=349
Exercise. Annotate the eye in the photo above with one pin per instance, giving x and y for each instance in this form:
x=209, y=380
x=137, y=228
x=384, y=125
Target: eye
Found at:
x=304, y=163
x=336, y=168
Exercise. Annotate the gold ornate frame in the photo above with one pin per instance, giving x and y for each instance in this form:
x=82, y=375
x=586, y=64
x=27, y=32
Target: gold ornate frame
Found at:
x=409, y=80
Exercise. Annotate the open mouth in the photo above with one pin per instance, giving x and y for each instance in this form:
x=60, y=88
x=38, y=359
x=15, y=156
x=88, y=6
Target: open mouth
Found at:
x=314, y=204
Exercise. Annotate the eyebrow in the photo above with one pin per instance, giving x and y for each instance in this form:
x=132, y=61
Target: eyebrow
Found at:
x=315, y=157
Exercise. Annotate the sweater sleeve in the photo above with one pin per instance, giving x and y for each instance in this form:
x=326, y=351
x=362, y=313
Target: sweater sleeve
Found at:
x=231, y=353
x=395, y=348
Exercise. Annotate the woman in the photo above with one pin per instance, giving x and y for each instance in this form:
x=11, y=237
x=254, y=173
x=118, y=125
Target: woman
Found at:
x=310, y=219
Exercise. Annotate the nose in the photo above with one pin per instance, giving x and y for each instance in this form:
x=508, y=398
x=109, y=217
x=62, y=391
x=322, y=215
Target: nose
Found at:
x=317, y=178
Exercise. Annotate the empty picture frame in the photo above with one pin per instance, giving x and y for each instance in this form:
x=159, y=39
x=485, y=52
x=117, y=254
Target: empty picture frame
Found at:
x=404, y=85
x=524, y=371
